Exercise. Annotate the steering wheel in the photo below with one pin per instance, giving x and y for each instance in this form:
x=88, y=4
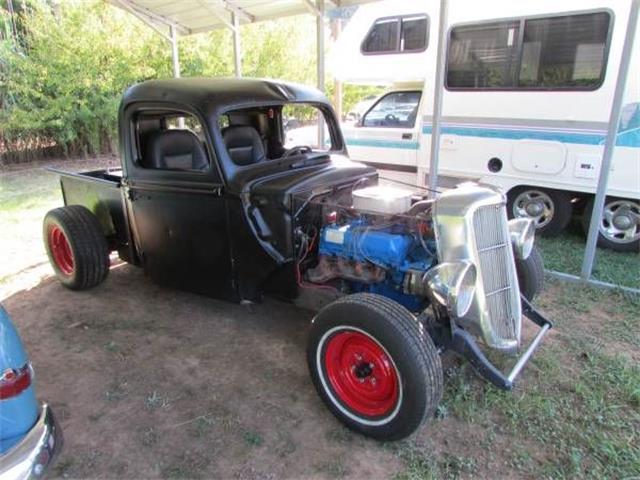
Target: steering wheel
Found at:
x=390, y=118
x=297, y=150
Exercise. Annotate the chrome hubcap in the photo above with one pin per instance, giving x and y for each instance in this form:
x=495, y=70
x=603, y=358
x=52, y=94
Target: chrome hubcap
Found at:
x=621, y=221
x=536, y=205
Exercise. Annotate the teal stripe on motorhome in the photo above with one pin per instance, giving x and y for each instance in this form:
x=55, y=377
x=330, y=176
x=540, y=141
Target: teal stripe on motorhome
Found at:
x=371, y=142
x=627, y=139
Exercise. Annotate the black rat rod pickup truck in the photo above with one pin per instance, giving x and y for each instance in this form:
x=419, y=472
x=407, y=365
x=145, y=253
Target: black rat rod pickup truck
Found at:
x=218, y=195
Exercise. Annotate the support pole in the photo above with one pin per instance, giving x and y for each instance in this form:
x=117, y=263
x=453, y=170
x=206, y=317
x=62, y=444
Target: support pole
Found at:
x=320, y=64
x=610, y=143
x=437, y=100
x=237, y=53
x=336, y=29
x=174, y=51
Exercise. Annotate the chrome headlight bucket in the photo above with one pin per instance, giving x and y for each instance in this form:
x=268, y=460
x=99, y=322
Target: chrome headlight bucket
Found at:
x=453, y=285
x=522, y=232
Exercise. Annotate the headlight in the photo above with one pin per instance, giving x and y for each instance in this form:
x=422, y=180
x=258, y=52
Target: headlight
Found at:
x=522, y=232
x=453, y=285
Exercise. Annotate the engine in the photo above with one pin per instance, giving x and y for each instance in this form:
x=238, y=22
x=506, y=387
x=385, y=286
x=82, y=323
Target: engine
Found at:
x=374, y=248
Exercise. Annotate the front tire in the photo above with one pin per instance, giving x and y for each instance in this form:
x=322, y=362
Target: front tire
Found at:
x=76, y=247
x=530, y=274
x=374, y=367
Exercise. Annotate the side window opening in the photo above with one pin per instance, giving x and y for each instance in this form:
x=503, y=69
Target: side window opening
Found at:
x=394, y=110
x=261, y=134
x=170, y=141
x=397, y=35
x=559, y=52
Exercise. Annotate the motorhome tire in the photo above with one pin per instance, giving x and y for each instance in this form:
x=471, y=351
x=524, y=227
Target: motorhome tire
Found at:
x=619, y=228
x=550, y=209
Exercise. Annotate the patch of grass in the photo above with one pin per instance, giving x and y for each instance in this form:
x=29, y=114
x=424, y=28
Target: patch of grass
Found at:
x=253, y=438
x=579, y=403
x=419, y=465
x=156, y=400
x=586, y=418
x=565, y=253
x=573, y=303
x=28, y=190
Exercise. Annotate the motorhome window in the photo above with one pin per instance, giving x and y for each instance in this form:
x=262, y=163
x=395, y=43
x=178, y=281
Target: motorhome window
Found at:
x=414, y=34
x=564, y=52
x=396, y=35
x=560, y=52
x=483, y=56
x=170, y=141
x=383, y=37
x=394, y=110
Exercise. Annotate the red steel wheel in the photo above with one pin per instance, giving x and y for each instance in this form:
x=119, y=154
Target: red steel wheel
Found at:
x=373, y=365
x=60, y=250
x=76, y=246
x=361, y=373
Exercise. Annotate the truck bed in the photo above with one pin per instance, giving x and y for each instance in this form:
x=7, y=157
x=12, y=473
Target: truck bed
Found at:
x=101, y=192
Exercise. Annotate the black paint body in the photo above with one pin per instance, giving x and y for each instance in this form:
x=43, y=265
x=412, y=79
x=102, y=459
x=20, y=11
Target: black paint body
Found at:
x=227, y=231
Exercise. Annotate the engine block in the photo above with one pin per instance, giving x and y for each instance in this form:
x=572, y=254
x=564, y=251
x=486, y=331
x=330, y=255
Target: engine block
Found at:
x=376, y=257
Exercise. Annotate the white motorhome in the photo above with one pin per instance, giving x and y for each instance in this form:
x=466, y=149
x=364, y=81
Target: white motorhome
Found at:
x=528, y=92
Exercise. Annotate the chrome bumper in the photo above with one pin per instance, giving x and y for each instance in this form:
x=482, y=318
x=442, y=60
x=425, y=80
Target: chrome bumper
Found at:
x=464, y=344
x=31, y=458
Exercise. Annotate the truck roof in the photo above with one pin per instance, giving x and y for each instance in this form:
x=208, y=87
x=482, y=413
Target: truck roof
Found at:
x=215, y=95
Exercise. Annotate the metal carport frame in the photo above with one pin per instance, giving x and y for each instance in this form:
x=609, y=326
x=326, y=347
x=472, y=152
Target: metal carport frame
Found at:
x=171, y=18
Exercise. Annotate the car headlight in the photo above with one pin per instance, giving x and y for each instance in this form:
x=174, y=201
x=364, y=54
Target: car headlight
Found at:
x=522, y=232
x=453, y=285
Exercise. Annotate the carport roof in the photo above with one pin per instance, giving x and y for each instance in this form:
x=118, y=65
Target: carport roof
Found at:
x=195, y=16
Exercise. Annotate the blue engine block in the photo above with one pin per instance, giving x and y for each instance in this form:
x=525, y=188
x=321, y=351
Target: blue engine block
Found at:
x=389, y=247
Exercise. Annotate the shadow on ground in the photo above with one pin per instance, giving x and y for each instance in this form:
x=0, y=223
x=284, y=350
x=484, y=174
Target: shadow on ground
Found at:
x=151, y=382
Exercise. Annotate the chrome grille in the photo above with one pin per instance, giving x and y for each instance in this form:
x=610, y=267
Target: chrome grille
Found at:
x=497, y=270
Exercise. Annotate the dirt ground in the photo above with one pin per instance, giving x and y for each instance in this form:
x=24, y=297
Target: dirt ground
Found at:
x=150, y=382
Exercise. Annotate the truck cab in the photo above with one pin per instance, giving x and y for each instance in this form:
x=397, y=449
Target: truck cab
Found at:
x=207, y=179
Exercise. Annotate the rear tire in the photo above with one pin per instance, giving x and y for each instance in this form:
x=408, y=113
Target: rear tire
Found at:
x=375, y=369
x=530, y=274
x=610, y=235
x=76, y=246
x=551, y=210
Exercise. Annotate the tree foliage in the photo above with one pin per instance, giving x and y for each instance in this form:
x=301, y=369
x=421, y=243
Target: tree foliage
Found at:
x=64, y=67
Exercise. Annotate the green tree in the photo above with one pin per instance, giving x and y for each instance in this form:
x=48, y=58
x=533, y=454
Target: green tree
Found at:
x=63, y=74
